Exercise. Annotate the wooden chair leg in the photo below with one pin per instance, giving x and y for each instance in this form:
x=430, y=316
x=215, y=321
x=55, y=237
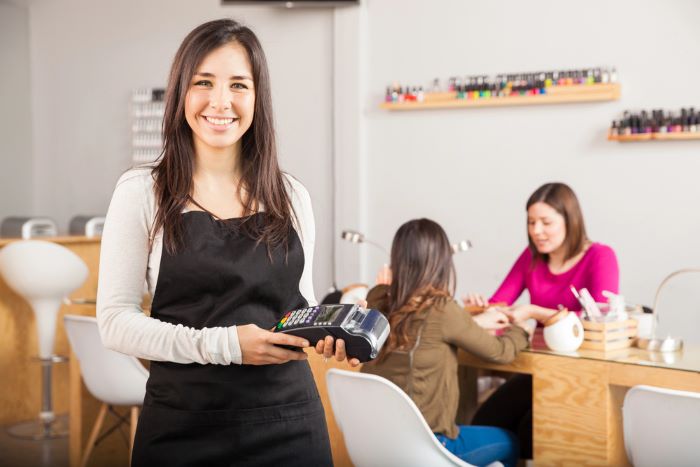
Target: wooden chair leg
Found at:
x=94, y=434
x=134, y=421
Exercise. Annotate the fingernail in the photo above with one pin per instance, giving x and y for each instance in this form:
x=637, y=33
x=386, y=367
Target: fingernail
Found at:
x=305, y=344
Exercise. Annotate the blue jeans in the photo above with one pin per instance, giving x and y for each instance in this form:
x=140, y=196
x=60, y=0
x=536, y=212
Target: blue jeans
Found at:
x=481, y=445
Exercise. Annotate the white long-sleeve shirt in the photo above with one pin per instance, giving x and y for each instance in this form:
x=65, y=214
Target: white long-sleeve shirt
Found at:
x=126, y=261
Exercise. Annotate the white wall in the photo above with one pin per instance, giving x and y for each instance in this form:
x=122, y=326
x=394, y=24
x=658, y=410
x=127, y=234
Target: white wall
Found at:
x=473, y=169
x=15, y=119
x=87, y=56
x=469, y=169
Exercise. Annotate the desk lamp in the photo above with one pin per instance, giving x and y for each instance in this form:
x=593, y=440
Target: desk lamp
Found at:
x=353, y=236
x=665, y=344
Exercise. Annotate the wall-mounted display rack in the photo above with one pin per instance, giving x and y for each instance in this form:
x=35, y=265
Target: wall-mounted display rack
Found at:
x=147, y=108
x=588, y=85
x=656, y=125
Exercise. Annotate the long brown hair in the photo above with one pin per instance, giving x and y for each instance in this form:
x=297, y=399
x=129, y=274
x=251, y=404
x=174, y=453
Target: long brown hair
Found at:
x=422, y=272
x=261, y=183
x=562, y=199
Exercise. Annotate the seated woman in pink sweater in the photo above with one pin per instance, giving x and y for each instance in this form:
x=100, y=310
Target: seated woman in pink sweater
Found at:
x=559, y=255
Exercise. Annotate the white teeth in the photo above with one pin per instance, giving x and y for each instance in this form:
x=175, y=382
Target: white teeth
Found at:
x=219, y=121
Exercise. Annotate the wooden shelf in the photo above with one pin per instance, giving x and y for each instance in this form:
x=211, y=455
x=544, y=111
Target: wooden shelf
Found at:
x=676, y=136
x=554, y=95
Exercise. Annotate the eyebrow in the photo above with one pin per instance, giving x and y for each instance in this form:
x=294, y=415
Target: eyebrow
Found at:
x=234, y=77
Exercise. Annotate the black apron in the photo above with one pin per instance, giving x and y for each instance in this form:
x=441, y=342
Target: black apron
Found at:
x=225, y=415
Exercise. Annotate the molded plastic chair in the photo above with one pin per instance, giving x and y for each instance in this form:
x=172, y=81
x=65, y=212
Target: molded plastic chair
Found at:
x=44, y=273
x=661, y=427
x=111, y=377
x=381, y=425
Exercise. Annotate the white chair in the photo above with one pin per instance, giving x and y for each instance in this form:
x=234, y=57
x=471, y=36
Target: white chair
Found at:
x=111, y=377
x=44, y=273
x=381, y=425
x=661, y=427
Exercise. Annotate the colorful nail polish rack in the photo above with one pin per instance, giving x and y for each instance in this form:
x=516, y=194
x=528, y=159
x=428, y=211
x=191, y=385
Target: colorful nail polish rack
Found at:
x=147, y=108
x=552, y=87
x=657, y=125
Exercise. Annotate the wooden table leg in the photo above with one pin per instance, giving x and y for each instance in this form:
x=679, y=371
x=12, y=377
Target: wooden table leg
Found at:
x=571, y=408
x=94, y=434
x=132, y=429
x=75, y=411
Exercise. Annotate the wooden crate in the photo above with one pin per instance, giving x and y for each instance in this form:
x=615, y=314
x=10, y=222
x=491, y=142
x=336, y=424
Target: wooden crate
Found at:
x=608, y=335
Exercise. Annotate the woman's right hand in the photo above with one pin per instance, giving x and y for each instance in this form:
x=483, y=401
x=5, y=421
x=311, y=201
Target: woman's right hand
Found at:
x=384, y=275
x=261, y=347
x=474, y=299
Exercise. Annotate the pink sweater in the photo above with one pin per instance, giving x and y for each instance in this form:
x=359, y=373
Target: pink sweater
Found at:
x=597, y=270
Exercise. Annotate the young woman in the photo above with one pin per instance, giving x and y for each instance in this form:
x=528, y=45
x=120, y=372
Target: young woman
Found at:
x=225, y=241
x=427, y=329
x=559, y=254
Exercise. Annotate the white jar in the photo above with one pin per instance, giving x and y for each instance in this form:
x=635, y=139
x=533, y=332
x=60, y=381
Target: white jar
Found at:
x=563, y=332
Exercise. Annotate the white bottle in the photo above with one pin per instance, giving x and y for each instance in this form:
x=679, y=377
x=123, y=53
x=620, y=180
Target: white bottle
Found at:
x=616, y=306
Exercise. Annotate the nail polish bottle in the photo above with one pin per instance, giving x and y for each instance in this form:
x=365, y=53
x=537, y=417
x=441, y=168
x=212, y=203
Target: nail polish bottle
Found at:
x=421, y=94
x=605, y=76
x=436, y=85
x=634, y=126
x=596, y=75
x=540, y=83
x=467, y=87
x=671, y=127
x=685, y=120
x=667, y=126
x=661, y=122
x=459, y=89
x=387, y=97
x=678, y=127
x=613, y=75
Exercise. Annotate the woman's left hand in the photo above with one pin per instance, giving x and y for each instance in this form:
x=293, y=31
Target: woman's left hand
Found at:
x=326, y=348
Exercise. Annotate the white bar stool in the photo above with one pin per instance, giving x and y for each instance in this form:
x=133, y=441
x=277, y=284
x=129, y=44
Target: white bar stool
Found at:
x=44, y=273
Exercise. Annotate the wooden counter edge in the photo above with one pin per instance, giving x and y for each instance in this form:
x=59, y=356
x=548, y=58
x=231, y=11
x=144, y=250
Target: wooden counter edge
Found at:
x=64, y=240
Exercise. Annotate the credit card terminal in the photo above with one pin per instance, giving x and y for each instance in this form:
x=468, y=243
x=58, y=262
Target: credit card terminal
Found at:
x=363, y=330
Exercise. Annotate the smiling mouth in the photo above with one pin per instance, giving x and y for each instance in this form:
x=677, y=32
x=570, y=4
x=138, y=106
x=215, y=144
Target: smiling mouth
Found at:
x=219, y=121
